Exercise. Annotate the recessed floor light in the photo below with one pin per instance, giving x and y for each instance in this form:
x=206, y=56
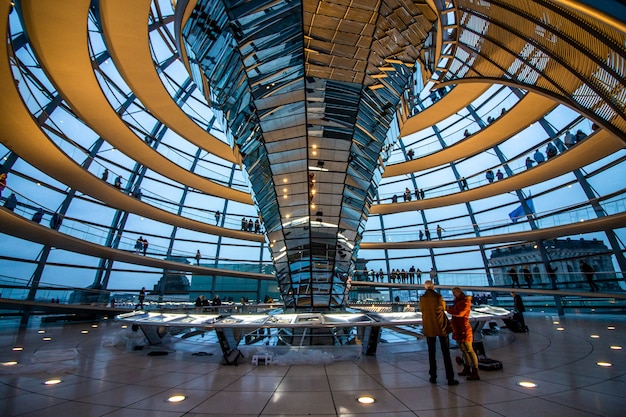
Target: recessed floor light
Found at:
x=17, y=348
x=595, y=336
x=527, y=384
x=84, y=331
x=94, y=325
x=9, y=363
x=366, y=399
x=52, y=382
x=560, y=328
x=41, y=331
x=176, y=398
x=555, y=322
x=47, y=339
x=611, y=327
x=615, y=347
x=604, y=364
x=124, y=327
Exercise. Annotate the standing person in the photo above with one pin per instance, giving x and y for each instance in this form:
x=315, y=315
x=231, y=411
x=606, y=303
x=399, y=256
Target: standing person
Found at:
x=427, y=232
x=38, y=215
x=463, y=334
x=11, y=202
x=570, y=140
x=439, y=231
x=538, y=156
x=142, y=296
x=105, y=174
x=464, y=184
x=489, y=175
x=421, y=235
x=552, y=274
x=529, y=162
x=139, y=244
x=433, y=275
x=435, y=326
x=198, y=256
x=499, y=175
x=528, y=277
x=588, y=271
x=145, y=246
x=216, y=301
x=518, y=306
x=118, y=182
x=514, y=278
x=418, y=276
x=217, y=217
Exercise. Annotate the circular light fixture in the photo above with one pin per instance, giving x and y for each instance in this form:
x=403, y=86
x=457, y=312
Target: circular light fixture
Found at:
x=527, y=384
x=555, y=322
x=41, y=331
x=604, y=364
x=47, y=339
x=124, y=326
x=176, y=398
x=84, y=331
x=560, y=328
x=611, y=327
x=9, y=363
x=595, y=336
x=52, y=382
x=94, y=325
x=17, y=348
x=366, y=399
x=615, y=347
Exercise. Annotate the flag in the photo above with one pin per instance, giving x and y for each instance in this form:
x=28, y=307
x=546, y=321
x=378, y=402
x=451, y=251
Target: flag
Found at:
x=519, y=213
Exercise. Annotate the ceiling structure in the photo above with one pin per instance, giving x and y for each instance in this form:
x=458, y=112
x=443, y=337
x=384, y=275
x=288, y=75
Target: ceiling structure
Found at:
x=302, y=113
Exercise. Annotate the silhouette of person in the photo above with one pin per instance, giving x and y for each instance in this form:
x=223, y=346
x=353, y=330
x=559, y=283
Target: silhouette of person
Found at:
x=105, y=174
x=142, y=297
x=518, y=306
x=198, y=256
x=552, y=274
x=38, y=215
x=514, y=278
x=588, y=272
x=217, y=217
x=11, y=202
x=528, y=277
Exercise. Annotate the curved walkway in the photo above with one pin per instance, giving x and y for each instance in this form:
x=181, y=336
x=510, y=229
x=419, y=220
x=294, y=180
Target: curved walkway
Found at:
x=527, y=111
x=615, y=221
x=59, y=35
x=22, y=228
x=595, y=147
x=124, y=27
x=458, y=98
x=23, y=136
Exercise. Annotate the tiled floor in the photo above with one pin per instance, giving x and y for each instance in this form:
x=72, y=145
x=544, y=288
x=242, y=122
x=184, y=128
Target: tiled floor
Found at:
x=99, y=378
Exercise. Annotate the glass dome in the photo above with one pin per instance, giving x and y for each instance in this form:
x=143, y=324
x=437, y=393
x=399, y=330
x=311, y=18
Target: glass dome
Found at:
x=353, y=140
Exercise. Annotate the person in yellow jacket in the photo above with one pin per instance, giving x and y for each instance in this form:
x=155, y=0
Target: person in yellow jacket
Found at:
x=435, y=325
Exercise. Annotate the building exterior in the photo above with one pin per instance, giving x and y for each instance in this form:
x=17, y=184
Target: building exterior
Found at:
x=564, y=256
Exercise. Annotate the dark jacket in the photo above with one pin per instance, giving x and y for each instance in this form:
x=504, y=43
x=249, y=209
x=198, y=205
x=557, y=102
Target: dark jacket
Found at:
x=434, y=318
x=461, y=329
x=518, y=304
